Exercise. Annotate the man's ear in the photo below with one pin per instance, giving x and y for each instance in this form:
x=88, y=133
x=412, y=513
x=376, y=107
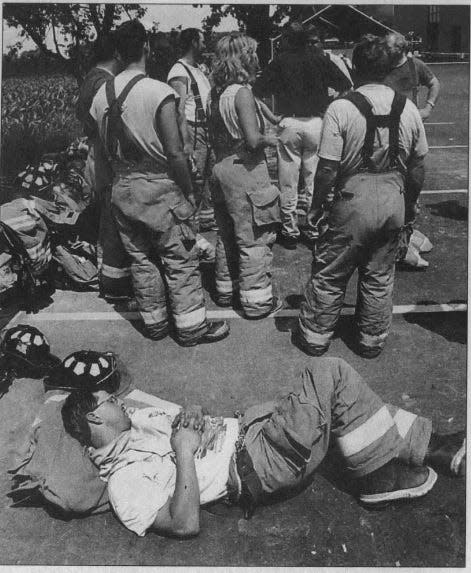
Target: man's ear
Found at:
x=93, y=418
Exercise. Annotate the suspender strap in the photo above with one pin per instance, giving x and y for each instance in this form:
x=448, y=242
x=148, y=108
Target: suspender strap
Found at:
x=200, y=113
x=415, y=81
x=373, y=122
x=114, y=124
x=397, y=107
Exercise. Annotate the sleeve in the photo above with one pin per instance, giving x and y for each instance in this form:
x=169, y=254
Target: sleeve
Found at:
x=331, y=143
x=136, y=498
x=425, y=76
x=177, y=71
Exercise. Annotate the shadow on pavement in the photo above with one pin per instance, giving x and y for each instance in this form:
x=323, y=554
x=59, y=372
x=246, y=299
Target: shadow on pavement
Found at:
x=450, y=210
x=451, y=325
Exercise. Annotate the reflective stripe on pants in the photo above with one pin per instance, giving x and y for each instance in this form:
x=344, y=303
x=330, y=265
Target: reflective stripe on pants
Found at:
x=289, y=438
x=243, y=249
x=161, y=261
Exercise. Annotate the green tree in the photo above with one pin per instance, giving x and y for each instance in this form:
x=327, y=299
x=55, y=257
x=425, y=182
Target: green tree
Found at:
x=261, y=21
x=72, y=27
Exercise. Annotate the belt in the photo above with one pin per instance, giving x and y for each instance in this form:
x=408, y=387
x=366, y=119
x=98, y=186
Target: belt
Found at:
x=307, y=115
x=244, y=486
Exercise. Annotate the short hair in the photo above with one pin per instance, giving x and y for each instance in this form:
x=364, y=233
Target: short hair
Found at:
x=74, y=415
x=296, y=35
x=397, y=46
x=187, y=37
x=105, y=48
x=371, y=59
x=131, y=37
x=236, y=60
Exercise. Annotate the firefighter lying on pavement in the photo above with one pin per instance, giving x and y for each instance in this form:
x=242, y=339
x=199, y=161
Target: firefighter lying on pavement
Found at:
x=160, y=468
x=152, y=195
x=371, y=153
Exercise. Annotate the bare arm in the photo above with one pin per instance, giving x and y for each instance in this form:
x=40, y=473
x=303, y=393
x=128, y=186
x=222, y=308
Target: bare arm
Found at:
x=268, y=114
x=432, y=96
x=180, y=85
x=245, y=107
x=180, y=516
x=324, y=182
x=167, y=128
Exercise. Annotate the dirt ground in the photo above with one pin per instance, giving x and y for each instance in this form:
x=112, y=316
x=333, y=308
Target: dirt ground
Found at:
x=423, y=369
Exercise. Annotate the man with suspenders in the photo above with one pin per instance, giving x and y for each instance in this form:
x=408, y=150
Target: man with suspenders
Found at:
x=190, y=82
x=371, y=170
x=152, y=196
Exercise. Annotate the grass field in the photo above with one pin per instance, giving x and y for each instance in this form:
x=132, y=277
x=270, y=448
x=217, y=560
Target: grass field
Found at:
x=38, y=116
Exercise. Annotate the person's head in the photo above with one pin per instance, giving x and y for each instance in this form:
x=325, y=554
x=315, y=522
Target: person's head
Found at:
x=397, y=46
x=26, y=352
x=94, y=420
x=371, y=60
x=314, y=40
x=131, y=42
x=295, y=36
x=91, y=371
x=236, y=60
x=105, y=54
x=192, y=40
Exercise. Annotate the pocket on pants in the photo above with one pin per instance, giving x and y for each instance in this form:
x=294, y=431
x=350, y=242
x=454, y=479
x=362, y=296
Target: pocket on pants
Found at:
x=183, y=214
x=265, y=205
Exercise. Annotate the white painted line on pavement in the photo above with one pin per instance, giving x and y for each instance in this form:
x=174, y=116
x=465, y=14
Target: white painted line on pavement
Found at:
x=448, y=146
x=15, y=319
x=443, y=191
x=447, y=63
x=225, y=314
x=439, y=123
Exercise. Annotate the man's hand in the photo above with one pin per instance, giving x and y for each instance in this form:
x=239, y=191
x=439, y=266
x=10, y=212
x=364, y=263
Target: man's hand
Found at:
x=190, y=416
x=185, y=440
x=425, y=111
x=312, y=218
x=188, y=149
x=412, y=211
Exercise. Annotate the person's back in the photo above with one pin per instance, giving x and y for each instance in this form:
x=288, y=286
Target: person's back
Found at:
x=138, y=115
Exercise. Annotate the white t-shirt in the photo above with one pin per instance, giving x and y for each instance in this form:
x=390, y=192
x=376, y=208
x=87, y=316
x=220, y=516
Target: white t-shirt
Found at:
x=344, y=130
x=178, y=70
x=139, y=111
x=140, y=469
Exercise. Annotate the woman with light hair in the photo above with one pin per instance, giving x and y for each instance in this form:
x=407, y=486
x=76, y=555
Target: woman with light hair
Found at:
x=246, y=204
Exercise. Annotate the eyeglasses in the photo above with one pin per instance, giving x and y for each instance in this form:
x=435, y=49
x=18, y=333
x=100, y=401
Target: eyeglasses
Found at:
x=112, y=399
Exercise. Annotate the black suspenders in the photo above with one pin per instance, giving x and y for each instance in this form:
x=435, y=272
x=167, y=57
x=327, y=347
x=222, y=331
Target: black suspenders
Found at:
x=373, y=121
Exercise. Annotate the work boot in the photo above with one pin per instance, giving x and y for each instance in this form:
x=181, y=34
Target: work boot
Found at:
x=447, y=453
x=288, y=242
x=217, y=330
x=394, y=481
x=156, y=331
x=369, y=351
x=312, y=349
x=276, y=305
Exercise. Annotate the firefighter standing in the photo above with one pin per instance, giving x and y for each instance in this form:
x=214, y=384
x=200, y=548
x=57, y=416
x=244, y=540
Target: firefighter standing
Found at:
x=375, y=167
x=152, y=195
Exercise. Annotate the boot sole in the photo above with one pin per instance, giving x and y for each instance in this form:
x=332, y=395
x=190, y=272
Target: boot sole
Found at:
x=409, y=493
x=205, y=340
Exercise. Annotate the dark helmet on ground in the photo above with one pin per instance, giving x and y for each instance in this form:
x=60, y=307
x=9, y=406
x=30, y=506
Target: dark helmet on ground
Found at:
x=28, y=346
x=88, y=370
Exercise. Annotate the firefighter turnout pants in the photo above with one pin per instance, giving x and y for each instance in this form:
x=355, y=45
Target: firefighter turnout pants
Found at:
x=288, y=438
x=363, y=233
x=153, y=221
x=204, y=160
x=113, y=261
x=247, y=211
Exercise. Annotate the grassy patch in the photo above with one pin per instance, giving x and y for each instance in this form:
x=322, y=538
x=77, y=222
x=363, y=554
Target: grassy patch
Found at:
x=38, y=117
